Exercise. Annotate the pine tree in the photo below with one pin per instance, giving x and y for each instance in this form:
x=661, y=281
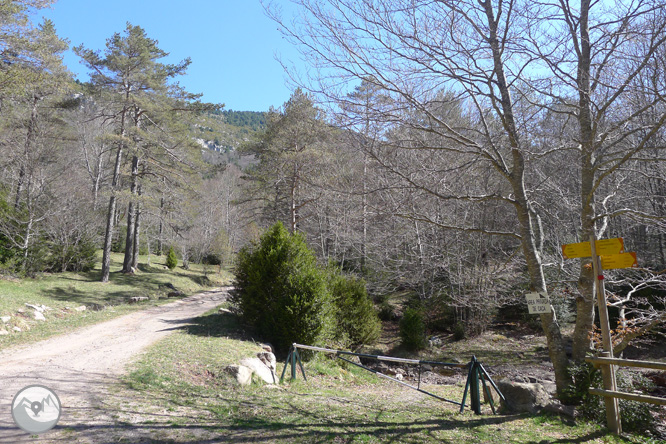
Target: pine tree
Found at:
x=171, y=259
x=289, y=156
x=136, y=89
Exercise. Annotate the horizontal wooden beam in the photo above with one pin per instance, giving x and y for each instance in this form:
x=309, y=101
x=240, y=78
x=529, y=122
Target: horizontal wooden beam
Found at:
x=628, y=363
x=628, y=396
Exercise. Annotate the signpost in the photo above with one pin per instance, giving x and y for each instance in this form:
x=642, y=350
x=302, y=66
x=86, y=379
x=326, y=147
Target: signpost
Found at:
x=608, y=374
x=606, y=254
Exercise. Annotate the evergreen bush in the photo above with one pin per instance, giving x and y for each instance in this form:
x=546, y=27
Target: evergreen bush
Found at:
x=356, y=318
x=171, y=259
x=281, y=292
x=459, y=331
x=79, y=256
x=412, y=330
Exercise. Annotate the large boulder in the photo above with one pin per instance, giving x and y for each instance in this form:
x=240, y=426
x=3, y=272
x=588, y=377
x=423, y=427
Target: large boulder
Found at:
x=268, y=359
x=260, y=369
x=263, y=366
x=523, y=397
x=242, y=374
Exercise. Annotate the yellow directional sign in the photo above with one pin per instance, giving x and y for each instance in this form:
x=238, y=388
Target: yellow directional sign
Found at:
x=583, y=249
x=613, y=261
x=571, y=251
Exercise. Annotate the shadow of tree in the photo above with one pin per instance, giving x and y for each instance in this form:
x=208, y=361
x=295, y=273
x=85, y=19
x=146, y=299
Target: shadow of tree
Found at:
x=219, y=324
x=152, y=282
x=306, y=426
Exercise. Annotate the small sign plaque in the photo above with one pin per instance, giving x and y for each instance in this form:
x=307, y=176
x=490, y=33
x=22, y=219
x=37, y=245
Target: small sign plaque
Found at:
x=537, y=303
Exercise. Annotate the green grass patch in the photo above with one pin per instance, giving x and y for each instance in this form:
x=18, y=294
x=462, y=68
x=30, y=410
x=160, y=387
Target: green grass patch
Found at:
x=63, y=293
x=183, y=375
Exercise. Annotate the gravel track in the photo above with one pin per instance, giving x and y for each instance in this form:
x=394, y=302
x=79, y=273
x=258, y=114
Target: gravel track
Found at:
x=80, y=366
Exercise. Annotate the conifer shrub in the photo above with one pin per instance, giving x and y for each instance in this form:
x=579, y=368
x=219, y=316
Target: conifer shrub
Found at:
x=280, y=291
x=171, y=259
x=459, y=331
x=357, y=321
x=78, y=256
x=412, y=330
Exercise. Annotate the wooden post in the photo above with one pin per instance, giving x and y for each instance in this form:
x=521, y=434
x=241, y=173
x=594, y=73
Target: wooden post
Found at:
x=607, y=371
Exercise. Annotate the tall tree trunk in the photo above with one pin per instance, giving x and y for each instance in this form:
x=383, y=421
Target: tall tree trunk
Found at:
x=524, y=214
x=32, y=125
x=585, y=301
x=96, y=182
x=137, y=226
x=160, y=230
x=293, y=207
x=131, y=217
x=110, y=219
x=108, y=237
x=364, y=205
x=549, y=322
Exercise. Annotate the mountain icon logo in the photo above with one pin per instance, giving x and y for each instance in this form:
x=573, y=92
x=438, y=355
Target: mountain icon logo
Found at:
x=36, y=409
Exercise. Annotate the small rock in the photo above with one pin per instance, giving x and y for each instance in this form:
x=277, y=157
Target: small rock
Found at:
x=17, y=329
x=3, y=332
x=39, y=316
x=135, y=299
x=81, y=308
x=20, y=310
x=224, y=310
x=5, y=319
x=35, y=307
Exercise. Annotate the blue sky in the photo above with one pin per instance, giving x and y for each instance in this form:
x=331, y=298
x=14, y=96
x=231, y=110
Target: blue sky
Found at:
x=232, y=43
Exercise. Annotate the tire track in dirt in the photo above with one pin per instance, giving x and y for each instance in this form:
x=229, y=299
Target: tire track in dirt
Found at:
x=79, y=366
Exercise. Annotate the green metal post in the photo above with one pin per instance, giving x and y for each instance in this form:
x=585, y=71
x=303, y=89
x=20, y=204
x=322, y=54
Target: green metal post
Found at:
x=286, y=364
x=475, y=398
x=293, y=363
x=486, y=390
x=467, y=384
x=300, y=364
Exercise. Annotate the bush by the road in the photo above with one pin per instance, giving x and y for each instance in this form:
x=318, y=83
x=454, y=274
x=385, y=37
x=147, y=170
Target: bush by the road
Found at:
x=357, y=321
x=280, y=291
x=286, y=297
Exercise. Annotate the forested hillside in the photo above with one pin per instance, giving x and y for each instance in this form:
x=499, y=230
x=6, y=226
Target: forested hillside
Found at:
x=222, y=132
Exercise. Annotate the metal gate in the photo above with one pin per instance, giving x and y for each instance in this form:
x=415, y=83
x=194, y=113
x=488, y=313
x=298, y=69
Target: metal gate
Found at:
x=475, y=372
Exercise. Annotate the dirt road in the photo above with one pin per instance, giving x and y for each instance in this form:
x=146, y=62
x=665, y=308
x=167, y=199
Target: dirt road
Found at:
x=79, y=366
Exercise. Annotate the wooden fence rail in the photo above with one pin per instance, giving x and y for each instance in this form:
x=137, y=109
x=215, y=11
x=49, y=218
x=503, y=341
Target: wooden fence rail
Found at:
x=605, y=363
